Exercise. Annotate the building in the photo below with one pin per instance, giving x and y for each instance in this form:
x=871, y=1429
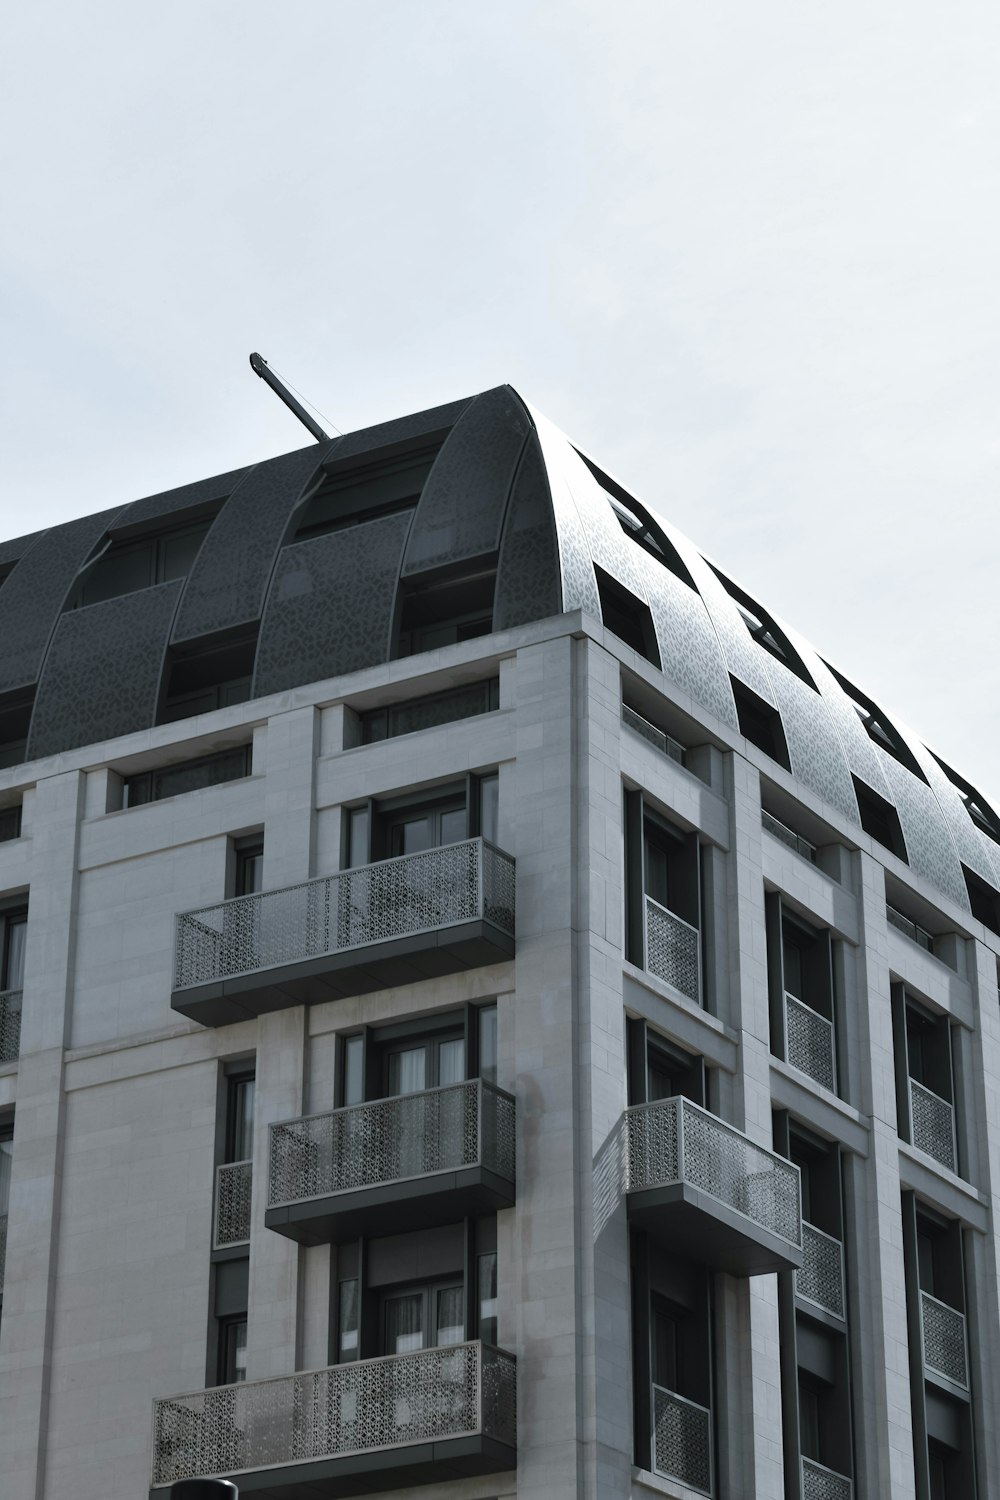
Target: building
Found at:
x=333, y=1167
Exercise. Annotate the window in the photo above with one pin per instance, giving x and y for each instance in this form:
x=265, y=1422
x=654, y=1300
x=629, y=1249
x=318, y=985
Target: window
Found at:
x=13, y=936
x=627, y=617
x=658, y=1069
x=187, y=776
x=10, y=823
x=206, y=677
x=239, y=1120
x=425, y=713
x=131, y=563
x=442, y=612
x=983, y=899
x=880, y=820
x=800, y=988
x=925, y=1091
x=638, y=524
x=486, y=1281
x=663, y=898
x=227, y=1362
x=347, y=495
x=878, y=726
x=249, y=872
x=976, y=805
x=233, y=1351
x=760, y=723
x=417, y=822
x=423, y=1317
x=15, y=720
x=6, y=1153
x=765, y=631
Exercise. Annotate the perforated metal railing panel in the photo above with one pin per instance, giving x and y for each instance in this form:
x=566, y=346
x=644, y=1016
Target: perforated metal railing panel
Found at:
x=401, y=1399
x=820, y=1278
x=809, y=1042
x=676, y=1140
x=411, y=1135
x=372, y=904
x=932, y=1124
x=673, y=949
x=819, y=1483
x=682, y=1440
x=945, y=1348
x=233, y=1197
x=10, y=1025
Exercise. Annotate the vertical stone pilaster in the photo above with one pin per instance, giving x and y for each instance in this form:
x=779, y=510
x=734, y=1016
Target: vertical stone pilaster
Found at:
x=39, y=1132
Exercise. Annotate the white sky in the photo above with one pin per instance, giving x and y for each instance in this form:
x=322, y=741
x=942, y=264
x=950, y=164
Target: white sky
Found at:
x=746, y=254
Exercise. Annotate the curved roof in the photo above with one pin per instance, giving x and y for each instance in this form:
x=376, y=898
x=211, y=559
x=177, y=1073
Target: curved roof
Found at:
x=368, y=525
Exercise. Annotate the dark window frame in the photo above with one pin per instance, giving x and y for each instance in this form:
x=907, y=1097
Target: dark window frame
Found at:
x=144, y=787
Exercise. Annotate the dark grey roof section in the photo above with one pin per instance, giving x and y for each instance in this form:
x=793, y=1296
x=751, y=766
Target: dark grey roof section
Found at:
x=32, y=598
x=505, y=481
x=462, y=506
x=102, y=672
x=331, y=605
x=528, y=570
x=15, y=549
x=228, y=583
x=433, y=423
x=203, y=491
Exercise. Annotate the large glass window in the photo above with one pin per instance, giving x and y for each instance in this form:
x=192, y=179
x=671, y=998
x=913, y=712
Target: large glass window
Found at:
x=187, y=776
x=423, y=1317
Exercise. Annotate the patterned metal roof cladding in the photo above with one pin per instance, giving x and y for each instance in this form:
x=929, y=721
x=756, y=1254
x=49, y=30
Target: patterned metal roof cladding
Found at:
x=505, y=488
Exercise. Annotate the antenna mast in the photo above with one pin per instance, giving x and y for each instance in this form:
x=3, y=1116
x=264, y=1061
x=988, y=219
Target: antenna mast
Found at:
x=260, y=367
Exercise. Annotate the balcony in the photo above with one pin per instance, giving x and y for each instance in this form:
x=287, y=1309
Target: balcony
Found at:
x=233, y=1195
x=414, y=917
x=10, y=1025
x=406, y=1419
x=665, y=743
x=912, y=930
x=408, y=1162
x=932, y=1125
x=809, y=1045
x=942, y=1331
x=708, y=1191
x=682, y=1440
x=819, y=1483
x=673, y=950
x=788, y=836
x=820, y=1278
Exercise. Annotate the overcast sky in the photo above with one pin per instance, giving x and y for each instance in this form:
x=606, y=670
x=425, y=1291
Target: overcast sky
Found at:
x=745, y=253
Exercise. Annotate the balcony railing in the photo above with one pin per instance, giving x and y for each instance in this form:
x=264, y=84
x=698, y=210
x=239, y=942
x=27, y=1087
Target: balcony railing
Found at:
x=915, y=933
x=395, y=898
x=788, y=836
x=3, y=1248
x=682, y=1439
x=675, y=1140
x=666, y=745
x=932, y=1125
x=388, y=1140
x=402, y=1399
x=820, y=1278
x=809, y=1045
x=673, y=950
x=945, y=1346
x=233, y=1196
x=10, y=1025
x=819, y=1483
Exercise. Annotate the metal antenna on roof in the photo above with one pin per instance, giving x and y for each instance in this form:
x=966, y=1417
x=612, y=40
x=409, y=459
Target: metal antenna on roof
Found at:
x=260, y=367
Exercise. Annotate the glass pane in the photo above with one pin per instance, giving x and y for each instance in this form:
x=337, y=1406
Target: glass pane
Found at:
x=451, y=1061
x=236, y=1352
x=793, y=970
x=487, y=1270
x=358, y=851
x=664, y=1349
x=17, y=931
x=178, y=552
x=6, y=1148
x=348, y=1321
x=243, y=1096
x=489, y=804
x=408, y=1071
x=488, y=1043
x=353, y=1077
x=453, y=826
x=404, y=1324
x=450, y=1318
x=249, y=871
x=411, y=837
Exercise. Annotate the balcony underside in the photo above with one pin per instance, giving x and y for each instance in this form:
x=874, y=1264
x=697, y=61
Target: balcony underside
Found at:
x=393, y=1207
x=369, y=1473
x=352, y=971
x=691, y=1223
